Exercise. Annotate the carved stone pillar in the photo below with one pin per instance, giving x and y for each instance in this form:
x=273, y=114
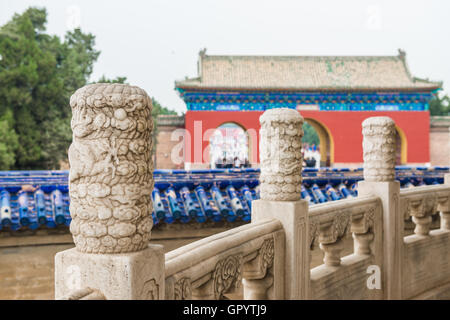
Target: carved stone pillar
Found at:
x=280, y=185
x=281, y=155
x=379, y=149
x=110, y=183
x=111, y=170
x=379, y=153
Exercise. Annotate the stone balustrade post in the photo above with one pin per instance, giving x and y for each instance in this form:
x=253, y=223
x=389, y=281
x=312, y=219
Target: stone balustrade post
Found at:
x=280, y=183
x=110, y=183
x=379, y=153
x=444, y=208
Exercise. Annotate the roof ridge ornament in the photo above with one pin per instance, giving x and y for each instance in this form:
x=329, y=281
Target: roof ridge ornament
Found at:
x=202, y=52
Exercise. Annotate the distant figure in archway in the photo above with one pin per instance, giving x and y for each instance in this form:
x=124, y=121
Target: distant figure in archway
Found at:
x=229, y=147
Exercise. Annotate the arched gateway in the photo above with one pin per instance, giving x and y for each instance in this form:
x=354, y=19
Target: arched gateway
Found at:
x=335, y=94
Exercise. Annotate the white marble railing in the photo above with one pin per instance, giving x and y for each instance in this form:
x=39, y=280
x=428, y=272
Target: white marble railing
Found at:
x=110, y=186
x=330, y=222
x=329, y=225
x=214, y=266
x=84, y=294
x=426, y=253
x=421, y=203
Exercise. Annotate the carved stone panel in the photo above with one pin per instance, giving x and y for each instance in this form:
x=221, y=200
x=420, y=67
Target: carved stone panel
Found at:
x=111, y=170
x=150, y=290
x=182, y=289
x=227, y=275
x=257, y=267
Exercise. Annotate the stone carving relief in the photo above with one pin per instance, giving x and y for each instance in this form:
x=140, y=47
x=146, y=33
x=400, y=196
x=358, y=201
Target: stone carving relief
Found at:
x=421, y=211
x=313, y=233
x=150, y=290
x=266, y=255
x=280, y=154
x=227, y=275
x=111, y=170
x=362, y=224
x=257, y=267
x=379, y=149
x=444, y=209
x=333, y=230
x=426, y=206
x=406, y=205
x=182, y=289
x=85, y=294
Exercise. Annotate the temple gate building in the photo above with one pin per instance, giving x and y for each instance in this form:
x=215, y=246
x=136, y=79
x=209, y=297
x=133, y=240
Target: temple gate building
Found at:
x=334, y=94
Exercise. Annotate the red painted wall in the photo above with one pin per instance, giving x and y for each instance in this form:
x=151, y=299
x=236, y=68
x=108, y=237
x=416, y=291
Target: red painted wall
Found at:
x=344, y=126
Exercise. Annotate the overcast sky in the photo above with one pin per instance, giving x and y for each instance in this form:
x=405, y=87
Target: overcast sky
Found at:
x=153, y=43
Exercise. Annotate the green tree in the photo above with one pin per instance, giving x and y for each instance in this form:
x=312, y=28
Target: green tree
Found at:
x=8, y=142
x=38, y=73
x=103, y=79
x=310, y=135
x=440, y=105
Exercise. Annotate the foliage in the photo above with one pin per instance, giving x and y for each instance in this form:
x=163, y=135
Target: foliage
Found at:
x=103, y=79
x=38, y=74
x=440, y=105
x=310, y=135
x=8, y=142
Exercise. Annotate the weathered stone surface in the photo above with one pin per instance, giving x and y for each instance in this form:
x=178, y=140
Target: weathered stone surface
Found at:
x=426, y=263
x=111, y=170
x=294, y=217
x=379, y=149
x=134, y=275
x=281, y=155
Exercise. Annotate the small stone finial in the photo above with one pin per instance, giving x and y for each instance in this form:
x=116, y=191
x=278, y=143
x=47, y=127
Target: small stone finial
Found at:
x=281, y=154
x=111, y=169
x=379, y=149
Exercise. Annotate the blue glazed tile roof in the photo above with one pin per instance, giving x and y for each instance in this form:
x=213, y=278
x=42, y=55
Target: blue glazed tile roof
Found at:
x=39, y=199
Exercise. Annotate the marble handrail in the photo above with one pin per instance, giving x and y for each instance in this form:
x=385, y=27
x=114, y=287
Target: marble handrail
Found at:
x=214, y=266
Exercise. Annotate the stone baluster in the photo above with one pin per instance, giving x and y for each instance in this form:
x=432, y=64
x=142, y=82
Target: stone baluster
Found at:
x=205, y=291
x=362, y=234
x=379, y=154
x=257, y=289
x=280, y=183
x=110, y=182
x=258, y=273
x=444, y=207
x=330, y=244
x=421, y=217
x=362, y=242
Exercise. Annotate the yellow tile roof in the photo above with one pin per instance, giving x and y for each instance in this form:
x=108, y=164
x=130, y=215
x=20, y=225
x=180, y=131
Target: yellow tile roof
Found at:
x=305, y=73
